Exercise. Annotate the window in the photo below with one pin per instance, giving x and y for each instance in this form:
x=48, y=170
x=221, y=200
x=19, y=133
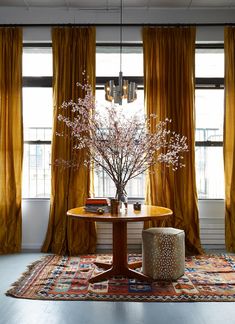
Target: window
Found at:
x=209, y=101
x=37, y=111
x=37, y=116
x=209, y=116
x=37, y=119
x=108, y=67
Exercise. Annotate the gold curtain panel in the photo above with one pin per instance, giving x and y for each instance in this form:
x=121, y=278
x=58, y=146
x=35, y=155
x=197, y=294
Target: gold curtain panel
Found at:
x=73, y=53
x=11, y=139
x=169, y=59
x=229, y=137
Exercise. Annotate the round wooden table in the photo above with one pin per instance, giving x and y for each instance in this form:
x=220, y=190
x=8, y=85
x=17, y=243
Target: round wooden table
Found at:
x=120, y=265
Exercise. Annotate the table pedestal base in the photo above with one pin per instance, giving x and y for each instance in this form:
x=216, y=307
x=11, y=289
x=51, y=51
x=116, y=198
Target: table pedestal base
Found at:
x=119, y=266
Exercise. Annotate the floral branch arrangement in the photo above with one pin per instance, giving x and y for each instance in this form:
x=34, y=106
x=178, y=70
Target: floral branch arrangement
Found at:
x=122, y=146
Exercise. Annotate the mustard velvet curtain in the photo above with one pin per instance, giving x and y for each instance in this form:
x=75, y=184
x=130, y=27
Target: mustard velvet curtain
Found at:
x=229, y=137
x=73, y=53
x=11, y=139
x=169, y=56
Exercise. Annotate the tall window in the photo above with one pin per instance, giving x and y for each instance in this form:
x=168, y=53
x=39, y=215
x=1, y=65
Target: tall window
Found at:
x=37, y=119
x=108, y=67
x=209, y=100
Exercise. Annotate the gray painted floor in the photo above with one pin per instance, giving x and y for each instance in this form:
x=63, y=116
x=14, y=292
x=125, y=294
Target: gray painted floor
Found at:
x=22, y=311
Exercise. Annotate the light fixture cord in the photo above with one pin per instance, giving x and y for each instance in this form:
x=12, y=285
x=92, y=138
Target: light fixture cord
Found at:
x=121, y=35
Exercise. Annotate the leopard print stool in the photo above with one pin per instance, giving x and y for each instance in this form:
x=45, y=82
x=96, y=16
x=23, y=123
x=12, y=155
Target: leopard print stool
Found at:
x=163, y=253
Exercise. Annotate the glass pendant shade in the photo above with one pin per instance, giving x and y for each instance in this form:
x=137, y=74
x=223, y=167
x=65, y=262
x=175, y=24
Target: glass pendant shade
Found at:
x=124, y=90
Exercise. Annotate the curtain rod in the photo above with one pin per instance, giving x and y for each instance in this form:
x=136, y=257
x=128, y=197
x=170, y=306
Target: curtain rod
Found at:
x=215, y=45
x=117, y=25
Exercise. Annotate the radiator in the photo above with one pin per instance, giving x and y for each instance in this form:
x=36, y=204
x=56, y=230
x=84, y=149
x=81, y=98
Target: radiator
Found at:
x=212, y=233
x=104, y=236
x=211, y=221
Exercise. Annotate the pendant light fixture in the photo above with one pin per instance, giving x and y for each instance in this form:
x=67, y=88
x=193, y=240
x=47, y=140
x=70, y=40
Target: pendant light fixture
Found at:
x=124, y=89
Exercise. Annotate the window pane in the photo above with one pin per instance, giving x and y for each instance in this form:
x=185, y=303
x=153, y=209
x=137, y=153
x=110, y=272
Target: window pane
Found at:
x=209, y=63
x=108, y=61
x=209, y=127
x=36, y=171
x=37, y=112
x=37, y=116
x=104, y=186
x=210, y=172
x=37, y=61
x=209, y=115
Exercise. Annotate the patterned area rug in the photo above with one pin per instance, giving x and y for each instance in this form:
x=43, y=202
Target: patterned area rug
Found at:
x=207, y=278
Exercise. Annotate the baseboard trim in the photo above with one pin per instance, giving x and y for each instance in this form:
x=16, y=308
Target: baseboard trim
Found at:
x=33, y=247
x=108, y=247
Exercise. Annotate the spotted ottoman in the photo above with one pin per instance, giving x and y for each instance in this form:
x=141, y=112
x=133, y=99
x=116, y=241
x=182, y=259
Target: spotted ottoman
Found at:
x=163, y=253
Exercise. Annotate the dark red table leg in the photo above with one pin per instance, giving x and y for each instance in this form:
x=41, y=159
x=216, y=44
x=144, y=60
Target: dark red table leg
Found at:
x=120, y=266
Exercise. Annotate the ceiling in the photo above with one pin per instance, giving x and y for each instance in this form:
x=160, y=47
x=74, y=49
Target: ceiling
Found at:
x=99, y=12
x=115, y=4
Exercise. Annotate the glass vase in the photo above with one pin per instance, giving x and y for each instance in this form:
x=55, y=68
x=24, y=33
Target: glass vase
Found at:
x=121, y=195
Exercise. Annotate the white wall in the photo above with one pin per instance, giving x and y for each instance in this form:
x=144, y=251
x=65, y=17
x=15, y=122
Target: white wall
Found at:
x=36, y=214
x=131, y=34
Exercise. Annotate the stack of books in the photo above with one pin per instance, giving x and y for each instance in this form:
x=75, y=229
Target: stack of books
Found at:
x=93, y=204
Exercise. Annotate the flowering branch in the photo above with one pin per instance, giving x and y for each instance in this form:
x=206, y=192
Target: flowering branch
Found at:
x=123, y=146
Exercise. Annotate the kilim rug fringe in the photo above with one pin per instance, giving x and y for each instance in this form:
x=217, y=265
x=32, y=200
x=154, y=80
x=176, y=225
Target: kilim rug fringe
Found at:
x=53, y=277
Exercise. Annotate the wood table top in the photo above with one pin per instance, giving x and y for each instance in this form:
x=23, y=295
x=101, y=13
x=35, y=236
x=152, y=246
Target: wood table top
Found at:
x=147, y=212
